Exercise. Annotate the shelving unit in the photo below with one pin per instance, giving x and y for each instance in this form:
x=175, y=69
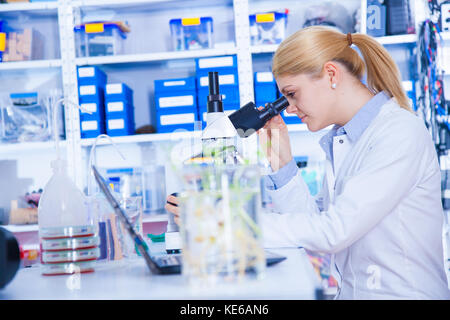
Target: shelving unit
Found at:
x=8, y=148
x=33, y=64
x=158, y=56
x=28, y=6
x=151, y=137
x=35, y=227
x=70, y=12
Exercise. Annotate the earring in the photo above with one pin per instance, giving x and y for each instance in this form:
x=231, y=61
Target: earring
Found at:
x=333, y=85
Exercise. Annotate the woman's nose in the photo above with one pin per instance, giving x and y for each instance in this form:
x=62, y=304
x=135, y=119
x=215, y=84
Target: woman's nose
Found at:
x=291, y=109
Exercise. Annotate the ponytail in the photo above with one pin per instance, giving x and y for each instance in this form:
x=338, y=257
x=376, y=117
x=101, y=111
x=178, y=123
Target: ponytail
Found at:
x=307, y=50
x=382, y=71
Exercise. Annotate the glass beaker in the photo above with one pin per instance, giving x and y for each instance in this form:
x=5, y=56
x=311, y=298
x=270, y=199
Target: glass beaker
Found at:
x=154, y=189
x=133, y=209
x=221, y=238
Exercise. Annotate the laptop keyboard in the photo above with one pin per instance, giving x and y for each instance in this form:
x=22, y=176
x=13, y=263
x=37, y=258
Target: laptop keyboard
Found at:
x=172, y=260
x=176, y=259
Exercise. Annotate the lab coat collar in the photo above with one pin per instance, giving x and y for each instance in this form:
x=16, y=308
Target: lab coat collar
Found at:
x=357, y=125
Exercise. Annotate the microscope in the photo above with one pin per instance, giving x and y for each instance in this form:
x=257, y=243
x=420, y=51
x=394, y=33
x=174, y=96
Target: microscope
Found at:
x=221, y=135
x=9, y=257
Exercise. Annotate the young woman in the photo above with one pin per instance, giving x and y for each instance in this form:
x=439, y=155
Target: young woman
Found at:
x=379, y=212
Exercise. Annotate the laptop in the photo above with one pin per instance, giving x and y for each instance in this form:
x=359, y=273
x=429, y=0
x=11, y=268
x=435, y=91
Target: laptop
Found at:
x=161, y=264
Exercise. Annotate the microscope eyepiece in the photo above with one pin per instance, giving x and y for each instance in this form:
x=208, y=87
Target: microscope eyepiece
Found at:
x=214, y=102
x=249, y=119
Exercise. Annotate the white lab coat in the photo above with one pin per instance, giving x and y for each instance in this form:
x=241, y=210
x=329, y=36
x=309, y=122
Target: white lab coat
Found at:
x=379, y=213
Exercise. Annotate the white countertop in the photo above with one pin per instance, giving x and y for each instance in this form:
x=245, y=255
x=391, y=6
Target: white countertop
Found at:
x=293, y=278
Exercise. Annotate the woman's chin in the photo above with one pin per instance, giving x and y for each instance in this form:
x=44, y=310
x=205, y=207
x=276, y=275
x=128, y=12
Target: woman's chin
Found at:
x=313, y=127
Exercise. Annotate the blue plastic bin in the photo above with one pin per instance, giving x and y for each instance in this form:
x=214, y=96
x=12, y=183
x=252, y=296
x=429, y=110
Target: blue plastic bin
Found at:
x=120, y=126
x=91, y=128
x=221, y=64
x=91, y=75
x=174, y=119
x=265, y=88
x=118, y=92
x=97, y=111
x=167, y=86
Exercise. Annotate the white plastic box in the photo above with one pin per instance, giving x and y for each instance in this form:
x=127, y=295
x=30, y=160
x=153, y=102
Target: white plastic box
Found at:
x=192, y=33
x=100, y=39
x=268, y=28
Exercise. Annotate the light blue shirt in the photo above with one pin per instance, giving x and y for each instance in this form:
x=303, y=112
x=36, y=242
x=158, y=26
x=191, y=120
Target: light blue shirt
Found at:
x=353, y=129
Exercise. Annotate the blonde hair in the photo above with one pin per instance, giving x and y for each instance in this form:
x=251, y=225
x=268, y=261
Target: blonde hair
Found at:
x=307, y=50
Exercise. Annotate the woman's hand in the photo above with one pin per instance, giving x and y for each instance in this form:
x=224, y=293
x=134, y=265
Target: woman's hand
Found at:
x=172, y=207
x=275, y=143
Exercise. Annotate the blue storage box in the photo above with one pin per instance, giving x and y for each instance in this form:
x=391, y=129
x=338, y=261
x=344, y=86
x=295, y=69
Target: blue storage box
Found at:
x=119, y=109
x=265, y=88
x=169, y=86
x=118, y=92
x=91, y=75
x=90, y=93
x=96, y=108
x=226, y=78
x=174, y=119
x=175, y=93
x=220, y=64
x=192, y=33
x=376, y=18
x=176, y=99
x=120, y=126
x=228, y=87
x=268, y=28
x=91, y=128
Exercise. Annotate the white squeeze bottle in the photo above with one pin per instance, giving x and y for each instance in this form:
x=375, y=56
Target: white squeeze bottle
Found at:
x=61, y=204
x=68, y=238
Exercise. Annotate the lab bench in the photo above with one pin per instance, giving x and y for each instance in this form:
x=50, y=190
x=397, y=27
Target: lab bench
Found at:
x=130, y=279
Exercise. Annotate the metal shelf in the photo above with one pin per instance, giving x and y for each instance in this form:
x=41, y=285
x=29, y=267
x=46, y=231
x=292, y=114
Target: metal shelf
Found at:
x=35, y=227
x=398, y=39
x=158, y=56
x=170, y=4
x=7, y=148
x=269, y=48
x=155, y=218
x=21, y=228
x=173, y=136
x=28, y=6
x=33, y=64
x=97, y=3
x=387, y=40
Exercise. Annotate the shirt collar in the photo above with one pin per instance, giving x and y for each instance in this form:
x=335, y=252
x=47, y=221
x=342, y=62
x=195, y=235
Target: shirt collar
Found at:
x=358, y=124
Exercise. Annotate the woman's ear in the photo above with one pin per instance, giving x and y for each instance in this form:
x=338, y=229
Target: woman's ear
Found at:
x=331, y=71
